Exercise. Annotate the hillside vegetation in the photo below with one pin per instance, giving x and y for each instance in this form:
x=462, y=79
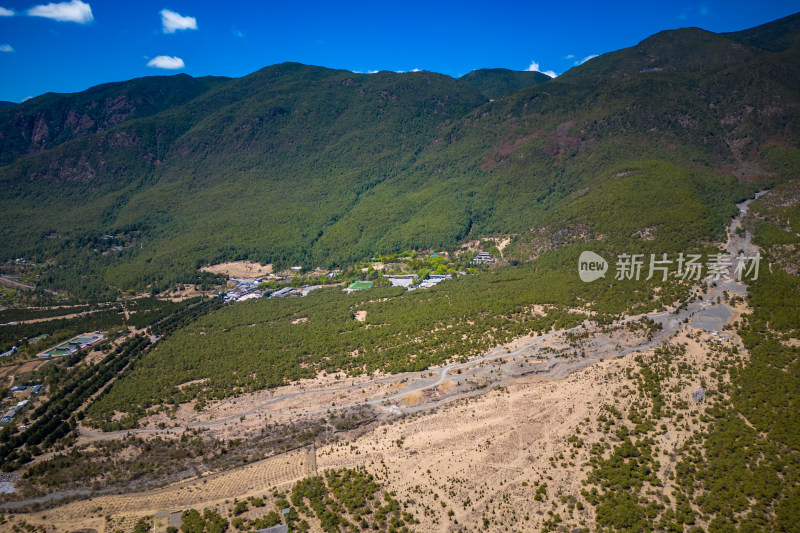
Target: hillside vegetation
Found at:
x=134, y=186
x=305, y=165
x=495, y=82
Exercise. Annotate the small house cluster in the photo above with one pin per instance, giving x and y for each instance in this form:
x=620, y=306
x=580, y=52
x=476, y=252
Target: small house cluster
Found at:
x=405, y=280
x=484, y=258
x=73, y=345
x=285, y=292
x=10, y=352
x=408, y=280
x=8, y=417
x=246, y=289
x=290, y=292
x=34, y=389
x=11, y=413
x=432, y=280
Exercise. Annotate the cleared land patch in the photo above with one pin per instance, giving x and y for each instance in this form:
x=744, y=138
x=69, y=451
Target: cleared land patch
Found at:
x=239, y=269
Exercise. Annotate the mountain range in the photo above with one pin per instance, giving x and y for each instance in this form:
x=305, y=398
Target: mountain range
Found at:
x=298, y=164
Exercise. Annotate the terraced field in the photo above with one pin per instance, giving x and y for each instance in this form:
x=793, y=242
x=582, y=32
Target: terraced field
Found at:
x=125, y=509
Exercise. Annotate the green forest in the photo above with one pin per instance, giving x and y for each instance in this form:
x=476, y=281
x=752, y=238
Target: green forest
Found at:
x=301, y=165
x=645, y=150
x=344, y=499
x=741, y=473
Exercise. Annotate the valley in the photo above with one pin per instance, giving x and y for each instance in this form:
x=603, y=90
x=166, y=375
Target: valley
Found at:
x=312, y=299
x=507, y=418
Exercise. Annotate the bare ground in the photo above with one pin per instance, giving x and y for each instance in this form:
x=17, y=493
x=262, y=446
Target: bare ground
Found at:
x=205, y=491
x=240, y=269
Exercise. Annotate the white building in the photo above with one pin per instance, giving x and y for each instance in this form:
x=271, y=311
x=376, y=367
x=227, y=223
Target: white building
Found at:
x=402, y=280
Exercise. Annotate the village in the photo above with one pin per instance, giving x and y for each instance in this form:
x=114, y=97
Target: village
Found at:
x=409, y=270
x=28, y=393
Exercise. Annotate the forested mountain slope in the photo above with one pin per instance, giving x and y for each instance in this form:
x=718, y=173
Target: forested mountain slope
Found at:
x=305, y=165
x=52, y=119
x=495, y=82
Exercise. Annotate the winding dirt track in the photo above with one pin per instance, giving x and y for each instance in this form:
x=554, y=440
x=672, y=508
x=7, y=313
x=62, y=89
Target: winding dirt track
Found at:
x=558, y=369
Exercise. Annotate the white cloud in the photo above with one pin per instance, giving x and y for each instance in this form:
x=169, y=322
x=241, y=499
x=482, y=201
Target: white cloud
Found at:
x=534, y=67
x=569, y=56
x=25, y=99
x=238, y=33
x=6, y=48
x=74, y=11
x=585, y=59
x=372, y=72
x=166, y=62
x=6, y=12
x=415, y=70
x=173, y=21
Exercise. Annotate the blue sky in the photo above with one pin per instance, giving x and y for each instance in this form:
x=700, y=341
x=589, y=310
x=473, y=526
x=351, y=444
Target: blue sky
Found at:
x=70, y=46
